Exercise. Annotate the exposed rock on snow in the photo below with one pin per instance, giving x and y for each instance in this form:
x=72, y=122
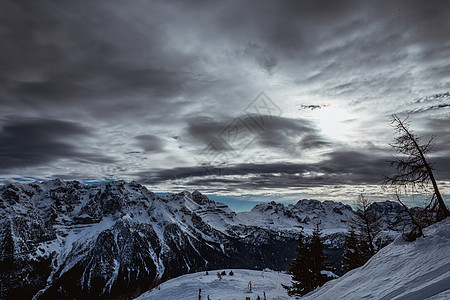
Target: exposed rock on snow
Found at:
x=332, y=216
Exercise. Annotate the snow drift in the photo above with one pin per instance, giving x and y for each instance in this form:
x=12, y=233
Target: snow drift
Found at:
x=401, y=271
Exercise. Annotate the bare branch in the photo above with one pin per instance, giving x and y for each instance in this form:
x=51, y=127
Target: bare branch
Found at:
x=413, y=168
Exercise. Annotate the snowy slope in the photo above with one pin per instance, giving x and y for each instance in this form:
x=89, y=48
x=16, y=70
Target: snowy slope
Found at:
x=227, y=288
x=401, y=271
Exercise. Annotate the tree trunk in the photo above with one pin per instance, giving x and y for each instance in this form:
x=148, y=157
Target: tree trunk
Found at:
x=369, y=234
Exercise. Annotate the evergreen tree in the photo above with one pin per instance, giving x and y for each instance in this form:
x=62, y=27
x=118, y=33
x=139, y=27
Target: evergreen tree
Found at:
x=318, y=258
x=307, y=265
x=359, y=241
x=353, y=256
x=299, y=269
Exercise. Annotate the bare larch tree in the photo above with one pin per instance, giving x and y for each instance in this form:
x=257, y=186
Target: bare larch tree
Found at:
x=413, y=168
x=367, y=225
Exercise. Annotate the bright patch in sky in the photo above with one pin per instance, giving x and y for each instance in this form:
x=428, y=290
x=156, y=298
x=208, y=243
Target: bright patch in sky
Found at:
x=334, y=122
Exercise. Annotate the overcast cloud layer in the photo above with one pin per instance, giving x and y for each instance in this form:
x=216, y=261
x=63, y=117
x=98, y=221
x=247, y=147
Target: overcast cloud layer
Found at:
x=229, y=97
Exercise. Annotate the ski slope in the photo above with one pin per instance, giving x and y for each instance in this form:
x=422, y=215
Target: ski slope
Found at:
x=400, y=271
x=227, y=288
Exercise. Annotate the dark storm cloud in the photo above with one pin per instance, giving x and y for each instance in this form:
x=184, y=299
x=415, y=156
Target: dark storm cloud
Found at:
x=286, y=27
x=341, y=167
x=356, y=167
x=440, y=129
x=437, y=125
x=32, y=142
x=61, y=56
x=294, y=28
x=280, y=132
x=441, y=166
x=50, y=40
x=358, y=58
x=150, y=143
x=80, y=85
x=59, y=53
x=261, y=130
x=265, y=57
x=206, y=130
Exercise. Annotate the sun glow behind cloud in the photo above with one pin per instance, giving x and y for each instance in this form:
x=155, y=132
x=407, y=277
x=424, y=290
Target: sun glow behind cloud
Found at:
x=334, y=122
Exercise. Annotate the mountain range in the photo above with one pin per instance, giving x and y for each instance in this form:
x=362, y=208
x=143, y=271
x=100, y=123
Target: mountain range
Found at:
x=65, y=239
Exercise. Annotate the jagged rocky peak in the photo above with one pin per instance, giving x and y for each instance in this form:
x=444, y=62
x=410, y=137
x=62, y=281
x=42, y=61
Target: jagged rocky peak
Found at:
x=386, y=207
x=10, y=194
x=119, y=197
x=59, y=184
x=272, y=205
x=56, y=181
x=305, y=205
x=191, y=200
x=308, y=203
x=180, y=196
x=201, y=199
x=327, y=205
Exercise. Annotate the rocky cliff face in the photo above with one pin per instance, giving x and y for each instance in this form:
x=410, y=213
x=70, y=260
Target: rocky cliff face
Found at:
x=66, y=239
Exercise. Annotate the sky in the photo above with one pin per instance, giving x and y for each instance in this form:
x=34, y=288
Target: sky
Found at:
x=250, y=101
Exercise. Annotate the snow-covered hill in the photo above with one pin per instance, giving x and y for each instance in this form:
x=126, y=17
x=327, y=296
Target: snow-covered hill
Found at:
x=234, y=287
x=401, y=271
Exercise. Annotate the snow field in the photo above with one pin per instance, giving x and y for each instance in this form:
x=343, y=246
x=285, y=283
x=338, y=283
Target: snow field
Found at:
x=227, y=288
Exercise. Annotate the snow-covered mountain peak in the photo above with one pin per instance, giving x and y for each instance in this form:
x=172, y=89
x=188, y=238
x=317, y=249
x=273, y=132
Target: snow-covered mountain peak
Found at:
x=200, y=198
x=305, y=214
x=309, y=203
x=386, y=207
